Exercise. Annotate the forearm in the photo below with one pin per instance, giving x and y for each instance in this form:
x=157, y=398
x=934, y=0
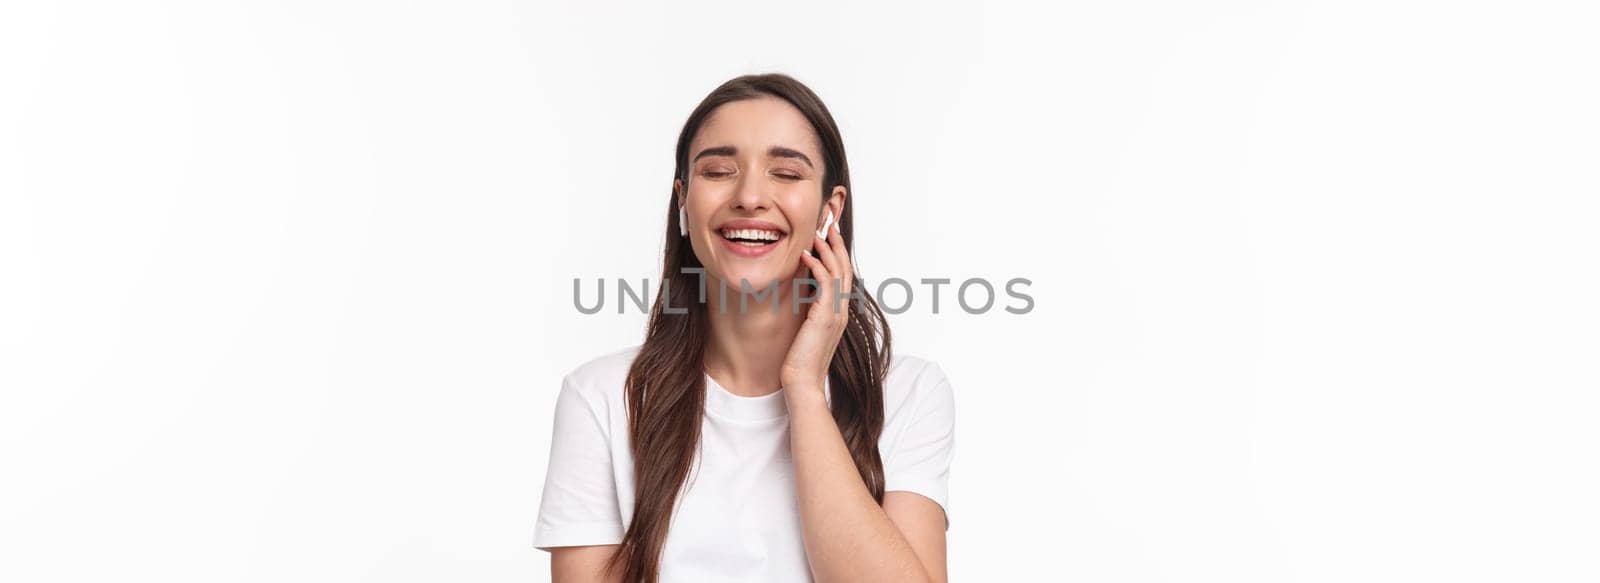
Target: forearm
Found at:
x=848, y=537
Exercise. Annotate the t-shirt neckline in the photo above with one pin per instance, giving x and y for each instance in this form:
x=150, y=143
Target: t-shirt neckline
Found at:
x=763, y=408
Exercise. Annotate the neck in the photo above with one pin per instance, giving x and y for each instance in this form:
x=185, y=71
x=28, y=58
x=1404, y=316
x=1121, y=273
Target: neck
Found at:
x=746, y=350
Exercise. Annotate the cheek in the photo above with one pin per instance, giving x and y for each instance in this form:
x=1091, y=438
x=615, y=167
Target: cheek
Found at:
x=704, y=201
x=802, y=210
x=700, y=203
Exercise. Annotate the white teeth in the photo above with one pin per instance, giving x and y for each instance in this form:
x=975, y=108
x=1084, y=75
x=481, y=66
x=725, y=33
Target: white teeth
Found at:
x=751, y=234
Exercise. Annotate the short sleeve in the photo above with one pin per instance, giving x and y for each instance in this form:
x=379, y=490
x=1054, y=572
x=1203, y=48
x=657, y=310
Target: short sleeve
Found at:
x=579, y=506
x=920, y=460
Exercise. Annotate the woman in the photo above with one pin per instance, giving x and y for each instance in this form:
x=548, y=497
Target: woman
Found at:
x=762, y=432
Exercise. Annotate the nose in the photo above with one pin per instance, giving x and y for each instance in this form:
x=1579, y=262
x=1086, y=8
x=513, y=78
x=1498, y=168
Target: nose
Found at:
x=752, y=195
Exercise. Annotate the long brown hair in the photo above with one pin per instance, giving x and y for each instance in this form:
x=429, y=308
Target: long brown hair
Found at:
x=666, y=389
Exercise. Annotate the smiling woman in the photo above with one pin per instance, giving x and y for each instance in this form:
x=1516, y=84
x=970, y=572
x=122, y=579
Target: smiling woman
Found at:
x=780, y=443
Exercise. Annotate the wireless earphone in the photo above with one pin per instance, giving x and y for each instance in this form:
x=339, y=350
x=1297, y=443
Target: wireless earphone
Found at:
x=823, y=232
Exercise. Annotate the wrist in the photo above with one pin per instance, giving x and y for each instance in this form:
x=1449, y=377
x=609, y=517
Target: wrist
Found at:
x=806, y=395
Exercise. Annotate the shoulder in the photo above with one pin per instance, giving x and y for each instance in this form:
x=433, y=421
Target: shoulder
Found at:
x=914, y=383
x=911, y=373
x=601, y=378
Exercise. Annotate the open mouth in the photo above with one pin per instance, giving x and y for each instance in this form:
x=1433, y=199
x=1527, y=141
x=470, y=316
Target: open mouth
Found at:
x=751, y=237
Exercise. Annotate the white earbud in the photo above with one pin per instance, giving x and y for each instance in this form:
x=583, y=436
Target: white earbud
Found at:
x=683, y=223
x=823, y=232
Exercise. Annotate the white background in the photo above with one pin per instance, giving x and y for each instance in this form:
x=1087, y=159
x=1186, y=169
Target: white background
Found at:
x=286, y=288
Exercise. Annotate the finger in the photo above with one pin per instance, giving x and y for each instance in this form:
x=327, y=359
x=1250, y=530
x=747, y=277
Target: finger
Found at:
x=819, y=272
x=814, y=266
x=838, y=278
x=845, y=269
x=824, y=252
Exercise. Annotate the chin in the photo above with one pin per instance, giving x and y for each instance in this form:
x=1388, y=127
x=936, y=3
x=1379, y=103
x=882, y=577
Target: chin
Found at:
x=758, y=276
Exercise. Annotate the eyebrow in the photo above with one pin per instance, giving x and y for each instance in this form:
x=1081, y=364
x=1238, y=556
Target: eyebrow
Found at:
x=775, y=152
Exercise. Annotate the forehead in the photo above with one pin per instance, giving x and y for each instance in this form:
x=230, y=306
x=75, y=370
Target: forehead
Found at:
x=753, y=125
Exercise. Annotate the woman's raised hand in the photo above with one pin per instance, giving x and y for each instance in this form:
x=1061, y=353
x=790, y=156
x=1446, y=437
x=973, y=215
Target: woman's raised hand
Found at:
x=805, y=369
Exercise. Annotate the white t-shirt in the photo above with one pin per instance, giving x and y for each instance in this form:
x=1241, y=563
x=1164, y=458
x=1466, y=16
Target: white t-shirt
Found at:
x=738, y=518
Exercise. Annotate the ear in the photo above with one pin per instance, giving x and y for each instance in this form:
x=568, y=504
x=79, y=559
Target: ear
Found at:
x=835, y=203
x=677, y=191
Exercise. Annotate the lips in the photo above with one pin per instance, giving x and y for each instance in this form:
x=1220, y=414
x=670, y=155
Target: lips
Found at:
x=750, y=238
